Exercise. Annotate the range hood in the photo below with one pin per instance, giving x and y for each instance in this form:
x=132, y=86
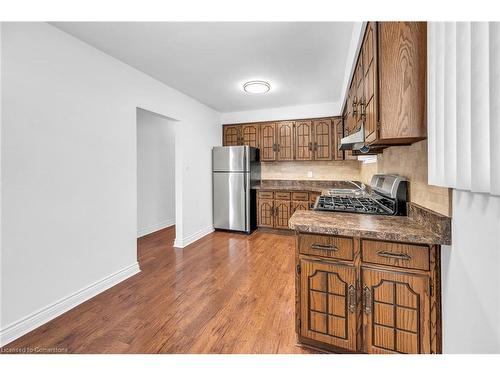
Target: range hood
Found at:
x=355, y=141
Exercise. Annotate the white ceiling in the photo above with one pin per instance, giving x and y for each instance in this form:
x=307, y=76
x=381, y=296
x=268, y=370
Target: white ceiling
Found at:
x=305, y=62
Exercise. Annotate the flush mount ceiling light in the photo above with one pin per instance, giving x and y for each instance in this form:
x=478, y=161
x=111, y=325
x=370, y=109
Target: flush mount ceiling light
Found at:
x=256, y=87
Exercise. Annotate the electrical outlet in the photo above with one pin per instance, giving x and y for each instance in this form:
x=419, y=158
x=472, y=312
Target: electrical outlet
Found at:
x=309, y=174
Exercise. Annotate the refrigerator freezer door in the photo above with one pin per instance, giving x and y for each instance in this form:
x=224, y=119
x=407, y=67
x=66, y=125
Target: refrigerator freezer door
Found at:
x=231, y=159
x=231, y=200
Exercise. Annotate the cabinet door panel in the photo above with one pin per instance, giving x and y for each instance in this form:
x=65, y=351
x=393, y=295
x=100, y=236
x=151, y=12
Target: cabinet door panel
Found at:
x=250, y=135
x=282, y=209
x=402, y=72
x=299, y=205
x=396, y=312
x=370, y=122
x=328, y=303
x=369, y=46
x=337, y=134
x=350, y=119
x=303, y=140
x=231, y=136
x=285, y=140
x=322, y=139
x=265, y=213
x=268, y=142
x=348, y=155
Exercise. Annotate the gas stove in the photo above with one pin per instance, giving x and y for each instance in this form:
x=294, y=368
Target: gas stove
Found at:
x=387, y=196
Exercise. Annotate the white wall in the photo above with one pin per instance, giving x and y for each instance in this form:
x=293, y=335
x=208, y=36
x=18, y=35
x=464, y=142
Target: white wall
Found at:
x=69, y=215
x=470, y=276
x=283, y=113
x=155, y=172
x=1, y=181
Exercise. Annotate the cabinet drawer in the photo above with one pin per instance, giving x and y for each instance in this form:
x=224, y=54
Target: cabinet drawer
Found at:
x=265, y=194
x=395, y=254
x=282, y=195
x=300, y=196
x=326, y=246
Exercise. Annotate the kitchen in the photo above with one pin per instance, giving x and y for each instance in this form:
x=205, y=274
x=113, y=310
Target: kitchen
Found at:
x=327, y=227
x=403, y=251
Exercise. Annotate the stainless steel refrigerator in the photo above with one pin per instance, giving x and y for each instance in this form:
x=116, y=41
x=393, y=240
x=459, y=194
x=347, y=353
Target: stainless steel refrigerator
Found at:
x=235, y=169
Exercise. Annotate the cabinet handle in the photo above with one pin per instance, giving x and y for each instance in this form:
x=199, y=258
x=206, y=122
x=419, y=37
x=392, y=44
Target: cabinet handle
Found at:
x=367, y=300
x=315, y=146
x=274, y=147
x=318, y=246
x=279, y=147
x=388, y=254
x=310, y=146
x=354, y=107
x=352, y=298
x=362, y=109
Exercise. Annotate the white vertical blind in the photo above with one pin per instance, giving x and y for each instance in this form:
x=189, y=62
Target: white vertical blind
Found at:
x=450, y=104
x=495, y=108
x=431, y=102
x=464, y=105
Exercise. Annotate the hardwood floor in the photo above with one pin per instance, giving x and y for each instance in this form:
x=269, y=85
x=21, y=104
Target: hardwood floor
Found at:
x=226, y=293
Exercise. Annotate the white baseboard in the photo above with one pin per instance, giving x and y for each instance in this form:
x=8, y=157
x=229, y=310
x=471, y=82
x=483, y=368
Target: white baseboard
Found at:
x=153, y=228
x=42, y=316
x=193, y=237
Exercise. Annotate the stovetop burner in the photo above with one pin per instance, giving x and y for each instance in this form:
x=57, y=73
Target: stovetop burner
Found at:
x=387, y=196
x=352, y=204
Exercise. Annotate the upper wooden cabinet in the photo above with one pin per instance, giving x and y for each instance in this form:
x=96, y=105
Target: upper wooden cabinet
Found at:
x=337, y=134
x=303, y=140
x=268, y=142
x=309, y=139
x=239, y=135
x=368, y=100
x=322, y=130
x=387, y=91
x=250, y=135
x=231, y=136
x=402, y=72
x=284, y=144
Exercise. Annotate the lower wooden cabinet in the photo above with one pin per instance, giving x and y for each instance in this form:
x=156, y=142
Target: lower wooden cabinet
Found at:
x=282, y=214
x=328, y=311
x=396, y=312
x=274, y=208
x=346, y=304
x=265, y=213
x=298, y=205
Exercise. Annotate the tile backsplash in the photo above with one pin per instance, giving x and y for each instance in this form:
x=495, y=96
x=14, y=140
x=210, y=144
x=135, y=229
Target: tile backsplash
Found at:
x=407, y=161
x=321, y=170
x=411, y=162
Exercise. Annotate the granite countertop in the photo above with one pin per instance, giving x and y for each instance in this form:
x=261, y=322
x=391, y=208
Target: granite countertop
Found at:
x=319, y=186
x=389, y=228
x=315, y=189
